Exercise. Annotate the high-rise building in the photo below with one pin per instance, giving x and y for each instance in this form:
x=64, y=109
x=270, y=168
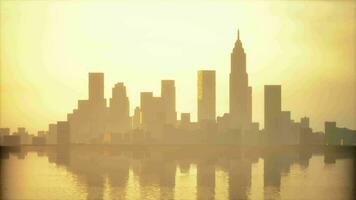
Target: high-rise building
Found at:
x=25, y=137
x=119, y=117
x=339, y=136
x=63, y=133
x=273, y=107
x=11, y=140
x=168, y=95
x=136, y=119
x=240, y=104
x=206, y=95
x=4, y=131
x=52, y=134
x=304, y=122
x=184, y=120
x=152, y=114
x=88, y=121
x=98, y=109
x=96, y=87
x=146, y=108
x=331, y=136
x=249, y=107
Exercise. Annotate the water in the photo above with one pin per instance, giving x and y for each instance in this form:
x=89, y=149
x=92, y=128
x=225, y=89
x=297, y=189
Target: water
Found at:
x=103, y=172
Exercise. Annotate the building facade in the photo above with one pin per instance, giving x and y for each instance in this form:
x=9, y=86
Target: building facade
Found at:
x=206, y=96
x=168, y=95
x=240, y=99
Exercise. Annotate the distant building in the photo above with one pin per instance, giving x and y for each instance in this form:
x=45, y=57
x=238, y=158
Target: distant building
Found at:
x=3, y=132
x=63, y=133
x=12, y=140
x=119, y=117
x=255, y=126
x=152, y=114
x=80, y=123
x=168, y=95
x=185, y=121
x=88, y=122
x=98, y=110
x=96, y=87
x=223, y=123
x=287, y=130
x=304, y=122
x=52, y=134
x=38, y=140
x=272, y=107
x=308, y=137
x=206, y=96
x=136, y=119
x=240, y=103
x=24, y=136
x=339, y=136
x=42, y=133
x=331, y=136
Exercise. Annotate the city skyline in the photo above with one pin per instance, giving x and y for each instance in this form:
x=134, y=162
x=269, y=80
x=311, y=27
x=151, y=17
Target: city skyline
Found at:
x=177, y=99
x=292, y=93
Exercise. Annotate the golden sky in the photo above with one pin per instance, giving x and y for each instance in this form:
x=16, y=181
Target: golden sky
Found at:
x=47, y=49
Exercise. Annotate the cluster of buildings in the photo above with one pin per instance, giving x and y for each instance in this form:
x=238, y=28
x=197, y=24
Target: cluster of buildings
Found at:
x=21, y=137
x=155, y=119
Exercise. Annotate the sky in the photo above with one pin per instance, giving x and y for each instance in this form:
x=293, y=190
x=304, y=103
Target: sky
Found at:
x=47, y=49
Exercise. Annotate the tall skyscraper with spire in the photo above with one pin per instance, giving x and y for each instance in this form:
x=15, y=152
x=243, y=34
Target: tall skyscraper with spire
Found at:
x=240, y=93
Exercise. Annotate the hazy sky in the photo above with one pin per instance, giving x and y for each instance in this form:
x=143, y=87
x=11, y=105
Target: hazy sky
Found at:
x=47, y=49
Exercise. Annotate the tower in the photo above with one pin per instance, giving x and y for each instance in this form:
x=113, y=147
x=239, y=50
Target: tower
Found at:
x=273, y=107
x=118, y=118
x=206, y=95
x=168, y=95
x=240, y=104
x=96, y=87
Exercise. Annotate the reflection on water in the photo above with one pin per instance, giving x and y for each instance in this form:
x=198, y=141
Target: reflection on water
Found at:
x=103, y=172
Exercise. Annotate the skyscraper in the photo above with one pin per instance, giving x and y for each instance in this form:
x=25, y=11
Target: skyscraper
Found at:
x=273, y=107
x=240, y=92
x=88, y=123
x=184, y=120
x=136, y=119
x=304, y=122
x=206, y=95
x=119, y=118
x=152, y=114
x=146, y=109
x=168, y=95
x=96, y=87
x=63, y=133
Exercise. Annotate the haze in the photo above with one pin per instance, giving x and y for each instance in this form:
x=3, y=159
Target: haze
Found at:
x=47, y=49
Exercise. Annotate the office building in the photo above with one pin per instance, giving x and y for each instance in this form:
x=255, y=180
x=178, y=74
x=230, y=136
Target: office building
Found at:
x=52, y=134
x=339, y=136
x=240, y=99
x=272, y=107
x=136, y=118
x=304, y=122
x=152, y=114
x=118, y=117
x=206, y=96
x=39, y=140
x=11, y=140
x=63, y=133
x=185, y=121
x=168, y=95
x=96, y=87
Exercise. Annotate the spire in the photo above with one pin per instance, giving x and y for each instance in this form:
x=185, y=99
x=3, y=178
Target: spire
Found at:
x=238, y=34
